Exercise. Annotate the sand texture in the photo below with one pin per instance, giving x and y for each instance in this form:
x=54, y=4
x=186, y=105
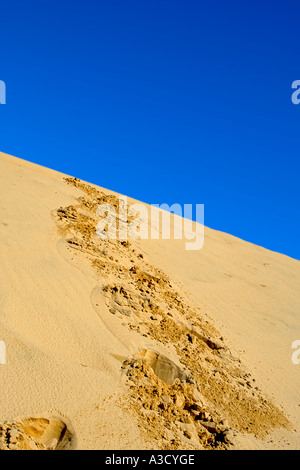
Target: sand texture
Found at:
x=138, y=344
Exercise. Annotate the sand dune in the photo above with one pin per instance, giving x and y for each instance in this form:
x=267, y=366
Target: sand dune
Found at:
x=141, y=344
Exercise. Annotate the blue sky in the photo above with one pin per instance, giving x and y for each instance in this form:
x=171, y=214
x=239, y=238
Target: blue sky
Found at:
x=165, y=101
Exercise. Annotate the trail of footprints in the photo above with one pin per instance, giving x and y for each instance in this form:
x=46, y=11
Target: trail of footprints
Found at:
x=201, y=408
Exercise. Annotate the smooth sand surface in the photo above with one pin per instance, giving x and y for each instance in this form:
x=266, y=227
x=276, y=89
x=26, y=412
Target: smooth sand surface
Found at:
x=139, y=345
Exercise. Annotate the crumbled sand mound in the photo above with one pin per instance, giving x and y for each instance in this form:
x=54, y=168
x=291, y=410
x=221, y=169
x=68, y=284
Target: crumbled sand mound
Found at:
x=43, y=433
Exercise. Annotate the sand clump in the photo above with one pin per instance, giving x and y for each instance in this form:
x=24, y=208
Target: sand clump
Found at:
x=37, y=433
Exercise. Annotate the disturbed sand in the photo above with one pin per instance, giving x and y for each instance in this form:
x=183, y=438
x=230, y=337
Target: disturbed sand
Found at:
x=138, y=344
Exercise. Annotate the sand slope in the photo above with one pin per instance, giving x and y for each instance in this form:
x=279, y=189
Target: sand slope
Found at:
x=142, y=345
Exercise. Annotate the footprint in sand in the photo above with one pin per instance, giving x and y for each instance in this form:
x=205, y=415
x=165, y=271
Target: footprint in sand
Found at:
x=37, y=433
x=162, y=366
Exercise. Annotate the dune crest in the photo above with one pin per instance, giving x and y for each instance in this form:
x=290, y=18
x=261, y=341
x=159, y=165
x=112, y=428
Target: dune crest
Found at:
x=139, y=343
x=145, y=301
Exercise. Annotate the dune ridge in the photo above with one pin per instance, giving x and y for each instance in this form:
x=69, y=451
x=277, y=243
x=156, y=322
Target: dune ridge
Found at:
x=133, y=333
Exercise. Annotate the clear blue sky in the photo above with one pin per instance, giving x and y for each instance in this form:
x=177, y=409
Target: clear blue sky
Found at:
x=165, y=101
